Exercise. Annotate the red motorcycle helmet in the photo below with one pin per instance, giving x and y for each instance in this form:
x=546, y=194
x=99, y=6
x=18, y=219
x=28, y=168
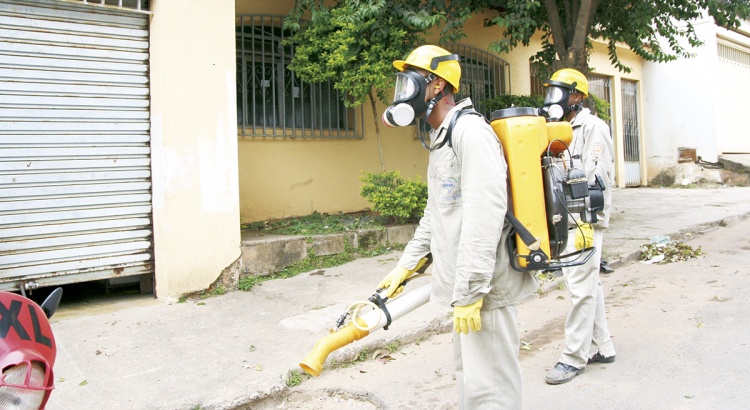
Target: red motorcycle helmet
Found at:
x=27, y=353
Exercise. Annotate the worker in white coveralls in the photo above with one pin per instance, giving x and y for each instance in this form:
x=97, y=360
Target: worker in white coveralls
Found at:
x=587, y=338
x=465, y=230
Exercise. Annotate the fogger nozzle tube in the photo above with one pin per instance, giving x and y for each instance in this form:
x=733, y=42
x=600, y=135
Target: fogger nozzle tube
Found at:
x=313, y=363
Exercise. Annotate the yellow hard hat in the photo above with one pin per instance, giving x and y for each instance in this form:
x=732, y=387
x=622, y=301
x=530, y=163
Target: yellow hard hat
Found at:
x=435, y=60
x=571, y=79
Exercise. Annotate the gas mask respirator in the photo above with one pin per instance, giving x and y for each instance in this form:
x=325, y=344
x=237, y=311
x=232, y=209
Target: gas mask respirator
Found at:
x=408, y=99
x=556, y=103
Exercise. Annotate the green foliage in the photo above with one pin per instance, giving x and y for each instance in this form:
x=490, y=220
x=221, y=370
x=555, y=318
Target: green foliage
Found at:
x=601, y=107
x=379, y=250
x=393, y=346
x=295, y=378
x=394, y=197
x=639, y=24
x=509, y=100
x=352, y=40
x=211, y=291
x=363, y=354
x=353, y=43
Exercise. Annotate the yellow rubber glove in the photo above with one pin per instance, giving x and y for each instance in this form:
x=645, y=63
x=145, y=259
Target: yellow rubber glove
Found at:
x=585, y=232
x=393, y=281
x=467, y=318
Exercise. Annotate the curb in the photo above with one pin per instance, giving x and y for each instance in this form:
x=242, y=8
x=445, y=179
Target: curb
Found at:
x=263, y=254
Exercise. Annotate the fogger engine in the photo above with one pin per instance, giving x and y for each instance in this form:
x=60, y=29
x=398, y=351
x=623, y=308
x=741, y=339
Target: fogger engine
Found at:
x=547, y=187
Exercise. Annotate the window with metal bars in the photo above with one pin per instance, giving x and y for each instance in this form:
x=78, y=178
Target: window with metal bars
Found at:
x=537, y=84
x=272, y=101
x=483, y=76
x=125, y=4
x=599, y=86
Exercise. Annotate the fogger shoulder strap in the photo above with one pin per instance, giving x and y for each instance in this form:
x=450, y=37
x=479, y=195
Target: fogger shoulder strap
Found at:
x=526, y=236
x=449, y=133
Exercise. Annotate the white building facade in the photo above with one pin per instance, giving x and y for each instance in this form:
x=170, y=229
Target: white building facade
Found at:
x=696, y=108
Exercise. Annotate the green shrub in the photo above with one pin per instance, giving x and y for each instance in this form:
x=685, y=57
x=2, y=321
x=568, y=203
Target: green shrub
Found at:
x=295, y=378
x=601, y=107
x=394, y=197
x=509, y=100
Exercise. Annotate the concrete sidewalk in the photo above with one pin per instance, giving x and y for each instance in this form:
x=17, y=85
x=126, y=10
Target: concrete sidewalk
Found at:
x=227, y=352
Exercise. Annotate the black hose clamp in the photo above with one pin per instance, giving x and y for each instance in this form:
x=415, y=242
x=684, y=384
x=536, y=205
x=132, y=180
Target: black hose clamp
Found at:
x=380, y=302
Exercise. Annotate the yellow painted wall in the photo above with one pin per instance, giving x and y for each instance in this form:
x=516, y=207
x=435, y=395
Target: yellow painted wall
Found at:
x=194, y=143
x=283, y=177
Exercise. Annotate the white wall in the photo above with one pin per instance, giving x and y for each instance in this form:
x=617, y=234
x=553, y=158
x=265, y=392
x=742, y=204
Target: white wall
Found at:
x=682, y=105
x=194, y=143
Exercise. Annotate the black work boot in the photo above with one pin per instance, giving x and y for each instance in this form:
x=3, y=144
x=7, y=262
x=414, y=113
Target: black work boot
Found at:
x=604, y=268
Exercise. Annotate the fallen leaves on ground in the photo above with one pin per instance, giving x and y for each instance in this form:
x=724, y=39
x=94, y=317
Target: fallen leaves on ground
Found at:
x=661, y=253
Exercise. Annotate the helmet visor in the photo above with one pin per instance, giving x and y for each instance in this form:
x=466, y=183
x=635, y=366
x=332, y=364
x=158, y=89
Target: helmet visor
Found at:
x=406, y=88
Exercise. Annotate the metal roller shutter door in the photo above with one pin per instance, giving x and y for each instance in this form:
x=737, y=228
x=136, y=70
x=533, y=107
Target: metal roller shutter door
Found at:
x=75, y=177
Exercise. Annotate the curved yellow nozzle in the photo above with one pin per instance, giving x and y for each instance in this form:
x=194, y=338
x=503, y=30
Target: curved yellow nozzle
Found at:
x=361, y=326
x=313, y=363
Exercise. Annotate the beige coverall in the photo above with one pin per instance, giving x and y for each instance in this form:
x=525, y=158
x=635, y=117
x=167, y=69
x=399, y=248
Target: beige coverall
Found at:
x=465, y=230
x=586, y=329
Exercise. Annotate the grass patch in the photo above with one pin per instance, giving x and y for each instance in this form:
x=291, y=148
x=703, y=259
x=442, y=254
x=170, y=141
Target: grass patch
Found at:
x=295, y=378
x=363, y=354
x=319, y=224
x=393, y=346
x=211, y=291
x=305, y=265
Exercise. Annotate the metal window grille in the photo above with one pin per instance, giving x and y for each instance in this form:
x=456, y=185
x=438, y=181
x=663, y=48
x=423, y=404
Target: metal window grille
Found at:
x=537, y=86
x=632, y=135
x=483, y=76
x=599, y=86
x=272, y=101
x=123, y=4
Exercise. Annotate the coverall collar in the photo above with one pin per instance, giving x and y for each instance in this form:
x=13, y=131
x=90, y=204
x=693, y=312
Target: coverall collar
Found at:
x=580, y=117
x=437, y=135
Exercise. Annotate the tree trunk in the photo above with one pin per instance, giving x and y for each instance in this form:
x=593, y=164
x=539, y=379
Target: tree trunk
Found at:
x=571, y=52
x=573, y=58
x=377, y=129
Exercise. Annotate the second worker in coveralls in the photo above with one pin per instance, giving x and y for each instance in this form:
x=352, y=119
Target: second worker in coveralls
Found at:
x=587, y=337
x=464, y=228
